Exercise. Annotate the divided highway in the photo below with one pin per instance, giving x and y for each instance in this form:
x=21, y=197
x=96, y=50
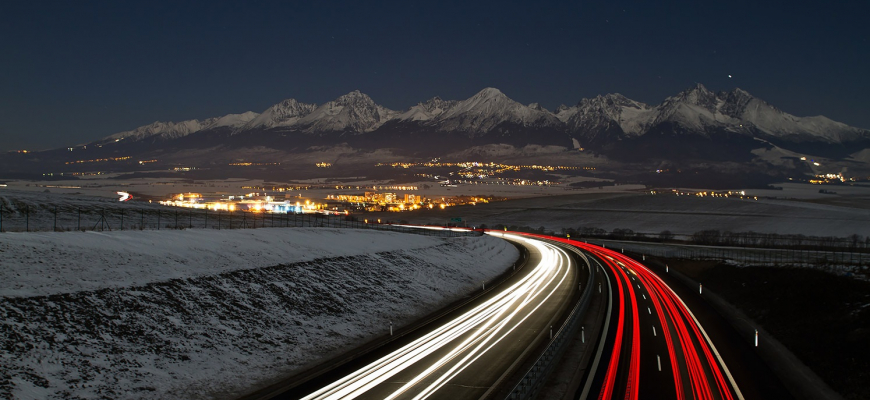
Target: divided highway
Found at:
x=645, y=343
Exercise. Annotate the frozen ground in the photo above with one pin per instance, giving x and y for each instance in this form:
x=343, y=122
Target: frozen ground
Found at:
x=212, y=314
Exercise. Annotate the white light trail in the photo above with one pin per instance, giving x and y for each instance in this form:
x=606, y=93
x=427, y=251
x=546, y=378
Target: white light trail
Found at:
x=480, y=329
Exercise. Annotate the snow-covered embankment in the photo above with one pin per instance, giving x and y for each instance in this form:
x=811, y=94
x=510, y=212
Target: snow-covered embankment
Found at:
x=202, y=314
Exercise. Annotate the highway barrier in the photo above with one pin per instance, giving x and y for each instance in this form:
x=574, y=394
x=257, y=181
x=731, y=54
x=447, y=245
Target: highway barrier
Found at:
x=535, y=378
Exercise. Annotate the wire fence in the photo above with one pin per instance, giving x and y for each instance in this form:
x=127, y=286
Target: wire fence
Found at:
x=43, y=219
x=836, y=261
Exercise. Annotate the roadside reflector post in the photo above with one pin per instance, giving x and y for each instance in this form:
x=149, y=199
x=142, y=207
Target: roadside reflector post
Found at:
x=551, y=332
x=700, y=289
x=583, y=334
x=756, y=338
x=391, y=328
x=666, y=268
x=644, y=257
x=599, y=287
x=622, y=250
x=483, y=285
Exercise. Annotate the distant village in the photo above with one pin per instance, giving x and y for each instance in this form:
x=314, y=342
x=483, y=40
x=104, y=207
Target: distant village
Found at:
x=369, y=201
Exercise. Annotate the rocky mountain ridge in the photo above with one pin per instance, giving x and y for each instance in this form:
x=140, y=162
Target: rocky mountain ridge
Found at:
x=604, y=123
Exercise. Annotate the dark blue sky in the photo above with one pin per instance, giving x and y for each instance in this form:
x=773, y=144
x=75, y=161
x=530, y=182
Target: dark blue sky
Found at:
x=72, y=72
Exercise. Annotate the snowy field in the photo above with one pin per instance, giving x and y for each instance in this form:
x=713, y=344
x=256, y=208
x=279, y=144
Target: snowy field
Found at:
x=212, y=314
x=651, y=214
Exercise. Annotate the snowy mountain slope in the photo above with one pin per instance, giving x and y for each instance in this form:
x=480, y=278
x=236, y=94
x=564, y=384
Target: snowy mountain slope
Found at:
x=353, y=112
x=700, y=110
x=490, y=108
x=427, y=110
x=605, y=119
x=217, y=333
x=175, y=130
x=285, y=113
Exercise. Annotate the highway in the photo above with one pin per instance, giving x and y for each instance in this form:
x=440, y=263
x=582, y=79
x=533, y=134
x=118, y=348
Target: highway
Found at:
x=652, y=346
x=469, y=355
x=645, y=344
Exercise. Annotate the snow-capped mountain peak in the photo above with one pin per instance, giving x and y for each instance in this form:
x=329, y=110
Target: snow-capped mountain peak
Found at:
x=285, y=113
x=353, y=112
x=607, y=117
x=489, y=108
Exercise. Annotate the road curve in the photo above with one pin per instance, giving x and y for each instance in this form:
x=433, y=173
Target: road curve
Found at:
x=652, y=345
x=467, y=356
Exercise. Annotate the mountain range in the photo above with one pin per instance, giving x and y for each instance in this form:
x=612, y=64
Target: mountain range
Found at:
x=695, y=123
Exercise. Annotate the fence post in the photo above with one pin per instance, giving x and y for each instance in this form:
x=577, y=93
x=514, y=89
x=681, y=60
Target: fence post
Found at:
x=176, y=219
x=79, y=227
x=122, y=219
x=142, y=223
x=158, y=219
x=27, y=218
x=219, y=219
x=206, y=218
x=1, y=218
x=190, y=219
x=55, y=218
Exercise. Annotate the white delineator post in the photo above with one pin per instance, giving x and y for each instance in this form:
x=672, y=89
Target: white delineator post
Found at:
x=700, y=289
x=583, y=334
x=756, y=338
x=391, y=328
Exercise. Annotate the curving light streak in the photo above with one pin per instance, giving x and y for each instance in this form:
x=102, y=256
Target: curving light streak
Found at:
x=702, y=363
x=124, y=196
x=476, y=331
x=706, y=373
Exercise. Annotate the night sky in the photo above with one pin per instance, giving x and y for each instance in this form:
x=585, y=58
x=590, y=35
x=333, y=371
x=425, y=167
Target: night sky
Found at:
x=72, y=71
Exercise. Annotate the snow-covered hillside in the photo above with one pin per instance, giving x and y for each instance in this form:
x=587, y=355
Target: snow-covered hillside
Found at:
x=204, y=314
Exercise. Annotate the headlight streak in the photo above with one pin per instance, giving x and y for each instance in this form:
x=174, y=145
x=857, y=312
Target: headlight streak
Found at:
x=479, y=351
x=482, y=323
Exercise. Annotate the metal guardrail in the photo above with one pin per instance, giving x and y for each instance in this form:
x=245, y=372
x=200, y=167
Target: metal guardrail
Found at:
x=535, y=378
